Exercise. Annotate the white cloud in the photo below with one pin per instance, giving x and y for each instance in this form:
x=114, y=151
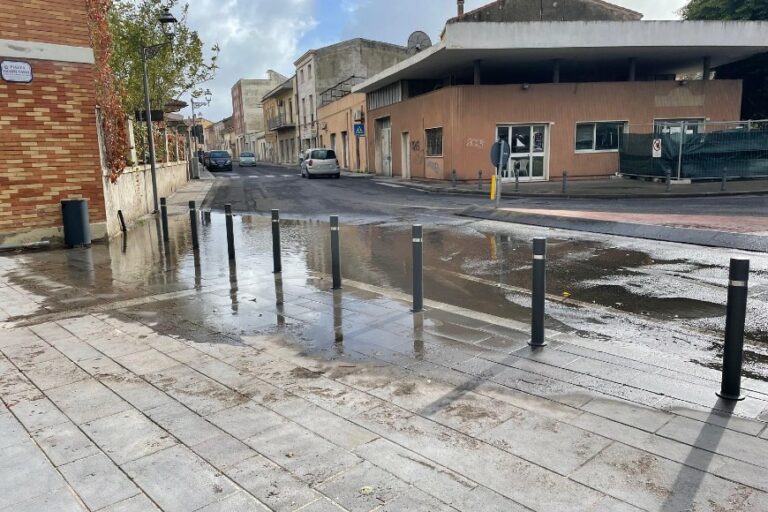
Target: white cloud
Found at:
x=254, y=36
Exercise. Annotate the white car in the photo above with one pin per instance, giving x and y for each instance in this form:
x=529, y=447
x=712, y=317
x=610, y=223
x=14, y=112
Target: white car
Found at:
x=247, y=160
x=320, y=162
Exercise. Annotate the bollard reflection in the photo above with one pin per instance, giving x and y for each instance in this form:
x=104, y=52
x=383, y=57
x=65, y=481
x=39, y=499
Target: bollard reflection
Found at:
x=338, y=329
x=279, y=300
x=418, y=335
x=233, y=297
x=124, y=245
x=207, y=218
x=198, y=271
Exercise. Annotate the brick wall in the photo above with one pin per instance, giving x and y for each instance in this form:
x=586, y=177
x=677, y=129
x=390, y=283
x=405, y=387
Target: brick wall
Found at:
x=45, y=21
x=48, y=147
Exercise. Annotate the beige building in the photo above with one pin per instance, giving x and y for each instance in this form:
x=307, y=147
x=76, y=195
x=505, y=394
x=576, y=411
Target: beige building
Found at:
x=280, y=112
x=337, y=122
x=326, y=74
x=247, y=112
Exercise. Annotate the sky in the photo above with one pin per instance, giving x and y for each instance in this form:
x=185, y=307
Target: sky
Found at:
x=257, y=35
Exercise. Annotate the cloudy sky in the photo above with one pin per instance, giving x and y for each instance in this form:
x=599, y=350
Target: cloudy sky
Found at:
x=257, y=35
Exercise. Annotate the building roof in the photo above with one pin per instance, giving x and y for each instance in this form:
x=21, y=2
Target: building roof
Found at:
x=511, y=10
x=349, y=42
x=666, y=46
x=282, y=88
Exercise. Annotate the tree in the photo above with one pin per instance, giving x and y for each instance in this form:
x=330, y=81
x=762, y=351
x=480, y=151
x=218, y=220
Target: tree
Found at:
x=753, y=71
x=174, y=70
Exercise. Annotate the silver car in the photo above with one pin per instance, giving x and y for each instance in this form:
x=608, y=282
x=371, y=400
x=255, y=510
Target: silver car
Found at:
x=320, y=162
x=247, y=160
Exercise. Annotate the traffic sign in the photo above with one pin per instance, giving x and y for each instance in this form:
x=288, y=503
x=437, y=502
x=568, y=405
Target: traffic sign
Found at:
x=656, y=148
x=500, y=153
x=359, y=130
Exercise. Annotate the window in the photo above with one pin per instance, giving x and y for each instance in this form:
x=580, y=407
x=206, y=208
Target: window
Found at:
x=309, y=71
x=434, y=142
x=599, y=136
x=323, y=154
x=311, y=103
x=301, y=75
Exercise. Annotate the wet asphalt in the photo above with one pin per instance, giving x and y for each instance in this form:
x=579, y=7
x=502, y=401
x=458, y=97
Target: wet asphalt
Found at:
x=668, y=296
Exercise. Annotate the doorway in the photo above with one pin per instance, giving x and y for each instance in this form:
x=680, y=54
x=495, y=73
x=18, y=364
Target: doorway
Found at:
x=529, y=145
x=406, y=156
x=345, y=149
x=384, y=146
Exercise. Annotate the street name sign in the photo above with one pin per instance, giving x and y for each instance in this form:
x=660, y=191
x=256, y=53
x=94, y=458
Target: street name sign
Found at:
x=15, y=71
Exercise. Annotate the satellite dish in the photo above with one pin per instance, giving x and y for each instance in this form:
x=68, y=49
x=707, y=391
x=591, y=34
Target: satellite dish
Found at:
x=418, y=41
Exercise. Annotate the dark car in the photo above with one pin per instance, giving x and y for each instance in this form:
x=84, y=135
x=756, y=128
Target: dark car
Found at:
x=220, y=161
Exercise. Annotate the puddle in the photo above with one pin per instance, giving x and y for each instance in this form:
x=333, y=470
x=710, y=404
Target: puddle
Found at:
x=478, y=268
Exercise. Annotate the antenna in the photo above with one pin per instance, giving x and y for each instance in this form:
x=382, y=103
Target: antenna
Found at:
x=418, y=41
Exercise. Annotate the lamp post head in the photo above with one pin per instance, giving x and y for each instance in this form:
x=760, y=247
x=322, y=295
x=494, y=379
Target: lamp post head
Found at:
x=168, y=22
x=208, y=96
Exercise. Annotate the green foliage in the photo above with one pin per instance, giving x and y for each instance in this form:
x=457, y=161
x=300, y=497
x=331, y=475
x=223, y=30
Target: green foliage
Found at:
x=753, y=71
x=745, y=10
x=174, y=70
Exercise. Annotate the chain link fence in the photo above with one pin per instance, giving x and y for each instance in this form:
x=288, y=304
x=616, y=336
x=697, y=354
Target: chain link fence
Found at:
x=696, y=150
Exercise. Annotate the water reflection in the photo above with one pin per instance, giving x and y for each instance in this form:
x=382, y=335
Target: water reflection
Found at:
x=418, y=335
x=233, y=288
x=198, y=271
x=279, y=300
x=338, y=328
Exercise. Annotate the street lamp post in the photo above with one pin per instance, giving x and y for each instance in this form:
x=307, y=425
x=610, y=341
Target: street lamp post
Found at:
x=147, y=52
x=198, y=104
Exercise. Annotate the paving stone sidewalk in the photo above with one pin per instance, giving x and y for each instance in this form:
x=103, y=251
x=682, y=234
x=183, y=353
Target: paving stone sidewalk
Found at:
x=179, y=390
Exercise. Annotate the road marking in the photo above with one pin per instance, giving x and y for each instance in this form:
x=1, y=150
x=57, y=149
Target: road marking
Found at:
x=389, y=185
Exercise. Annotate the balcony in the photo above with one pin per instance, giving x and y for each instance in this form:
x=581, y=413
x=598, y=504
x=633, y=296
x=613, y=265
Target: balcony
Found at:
x=280, y=122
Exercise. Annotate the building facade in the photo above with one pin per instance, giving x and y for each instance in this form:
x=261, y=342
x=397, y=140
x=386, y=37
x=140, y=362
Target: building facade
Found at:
x=247, y=111
x=555, y=91
x=342, y=128
x=280, y=111
x=48, y=120
x=338, y=68
x=546, y=10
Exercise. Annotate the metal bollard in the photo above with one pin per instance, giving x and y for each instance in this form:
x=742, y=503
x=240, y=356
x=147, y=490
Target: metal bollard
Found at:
x=193, y=225
x=565, y=182
x=230, y=231
x=480, y=180
x=278, y=264
x=517, y=181
x=164, y=219
x=539, y=291
x=669, y=180
x=724, y=182
x=335, y=253
x=453, y=178
x=418, y=268
x=736, y=313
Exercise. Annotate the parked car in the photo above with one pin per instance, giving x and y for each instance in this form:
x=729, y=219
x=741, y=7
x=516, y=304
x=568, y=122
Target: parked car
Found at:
x=320, y=162
x=247, y=159
x=219, y=161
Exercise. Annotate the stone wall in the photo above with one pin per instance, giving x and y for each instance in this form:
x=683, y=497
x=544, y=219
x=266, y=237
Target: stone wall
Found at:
x=132, y=193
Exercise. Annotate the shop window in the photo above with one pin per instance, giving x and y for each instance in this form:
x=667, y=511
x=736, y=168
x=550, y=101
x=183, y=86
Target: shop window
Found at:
x=599, y=136
x=434, y=142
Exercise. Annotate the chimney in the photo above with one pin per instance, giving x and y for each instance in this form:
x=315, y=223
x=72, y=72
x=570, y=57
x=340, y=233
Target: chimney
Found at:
x=460, y=7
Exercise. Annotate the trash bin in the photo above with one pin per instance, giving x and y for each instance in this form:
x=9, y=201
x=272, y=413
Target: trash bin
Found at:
x=77, y=228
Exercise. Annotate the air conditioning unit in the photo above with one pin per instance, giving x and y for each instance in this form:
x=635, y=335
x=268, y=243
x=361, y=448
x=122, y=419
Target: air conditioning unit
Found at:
x=323, y=126
x=358, y=115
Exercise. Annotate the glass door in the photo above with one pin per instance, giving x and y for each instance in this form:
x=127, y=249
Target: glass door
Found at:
x=528, y=145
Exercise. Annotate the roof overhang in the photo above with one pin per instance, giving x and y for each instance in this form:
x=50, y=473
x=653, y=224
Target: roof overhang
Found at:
x=670, y=46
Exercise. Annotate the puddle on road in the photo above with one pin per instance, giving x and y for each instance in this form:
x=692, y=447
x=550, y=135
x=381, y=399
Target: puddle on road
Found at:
x=481, y=270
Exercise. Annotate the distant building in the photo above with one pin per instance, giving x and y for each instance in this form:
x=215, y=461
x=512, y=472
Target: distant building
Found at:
x=546, y=10
x=214, y=136
x=247, y=112
x=563, y=94
x=339, y=121
x=338, y=67
x=280, y=111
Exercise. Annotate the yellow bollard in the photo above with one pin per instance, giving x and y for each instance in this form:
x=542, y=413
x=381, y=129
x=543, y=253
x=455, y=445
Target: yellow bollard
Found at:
x=493, y=187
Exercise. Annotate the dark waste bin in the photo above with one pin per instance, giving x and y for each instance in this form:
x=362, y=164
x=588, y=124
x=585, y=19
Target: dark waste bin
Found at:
x=77, y=228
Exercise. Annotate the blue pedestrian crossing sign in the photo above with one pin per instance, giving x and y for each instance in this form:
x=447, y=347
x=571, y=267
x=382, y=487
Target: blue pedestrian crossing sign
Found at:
x=359, y=130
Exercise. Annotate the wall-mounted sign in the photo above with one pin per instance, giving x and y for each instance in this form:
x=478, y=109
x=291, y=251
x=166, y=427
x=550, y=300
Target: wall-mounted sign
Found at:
x=15, y=71
x=656, y=148
x=359, y=130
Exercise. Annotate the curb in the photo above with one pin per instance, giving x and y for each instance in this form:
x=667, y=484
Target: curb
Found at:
x=702, y=237
x=540, y=195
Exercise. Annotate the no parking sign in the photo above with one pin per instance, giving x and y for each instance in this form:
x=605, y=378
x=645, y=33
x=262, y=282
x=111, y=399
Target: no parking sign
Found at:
x=656, y=148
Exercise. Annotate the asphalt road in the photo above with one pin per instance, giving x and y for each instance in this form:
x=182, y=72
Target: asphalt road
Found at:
x=261, y=188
